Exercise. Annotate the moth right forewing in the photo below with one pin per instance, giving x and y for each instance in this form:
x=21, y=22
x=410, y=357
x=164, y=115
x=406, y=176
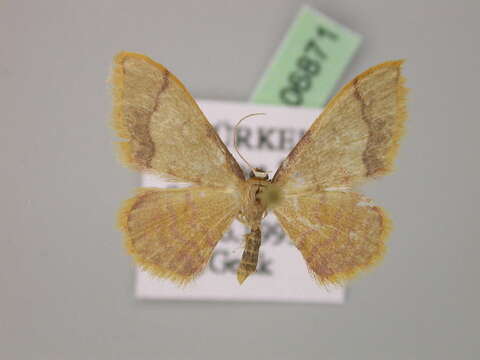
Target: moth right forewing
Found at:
x=356, y=136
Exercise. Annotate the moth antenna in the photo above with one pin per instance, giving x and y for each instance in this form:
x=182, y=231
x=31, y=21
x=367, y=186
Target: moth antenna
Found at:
x=235, y=130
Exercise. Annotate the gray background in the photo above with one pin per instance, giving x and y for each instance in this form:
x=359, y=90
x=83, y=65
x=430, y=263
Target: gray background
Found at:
x=66, y=283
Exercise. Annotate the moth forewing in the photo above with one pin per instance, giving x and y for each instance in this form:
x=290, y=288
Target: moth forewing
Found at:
x=355, y=137
x=163, y=128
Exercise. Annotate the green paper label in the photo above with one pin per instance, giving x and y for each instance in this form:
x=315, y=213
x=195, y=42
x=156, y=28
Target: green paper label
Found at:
x=308, y=63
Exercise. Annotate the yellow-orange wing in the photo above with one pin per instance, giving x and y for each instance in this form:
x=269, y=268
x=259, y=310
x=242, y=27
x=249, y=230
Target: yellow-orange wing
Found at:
x=165, y=131
x=172, y=232
x=338, y=231
x=355, y=137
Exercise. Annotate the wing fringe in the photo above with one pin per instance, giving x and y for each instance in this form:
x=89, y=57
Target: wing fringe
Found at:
x=124, y=148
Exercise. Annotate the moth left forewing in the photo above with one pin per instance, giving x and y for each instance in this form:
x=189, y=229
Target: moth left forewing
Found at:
x=165, y=131
x=339, y=233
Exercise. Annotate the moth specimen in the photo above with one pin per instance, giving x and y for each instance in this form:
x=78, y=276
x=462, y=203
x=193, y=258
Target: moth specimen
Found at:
x=172, y=232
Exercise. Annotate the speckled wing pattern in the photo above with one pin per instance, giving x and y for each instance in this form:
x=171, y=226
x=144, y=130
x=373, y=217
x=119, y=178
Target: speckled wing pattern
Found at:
x=172, y=232
x=338, y=231
x=165, y=131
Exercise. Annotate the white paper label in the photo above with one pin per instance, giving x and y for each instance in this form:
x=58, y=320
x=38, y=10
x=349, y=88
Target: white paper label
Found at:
x=282, y=274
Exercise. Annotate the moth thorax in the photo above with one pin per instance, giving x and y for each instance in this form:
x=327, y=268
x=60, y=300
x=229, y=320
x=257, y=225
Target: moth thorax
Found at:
x=270, y=195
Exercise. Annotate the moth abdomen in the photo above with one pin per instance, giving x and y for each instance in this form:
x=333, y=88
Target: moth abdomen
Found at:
x=248, y=264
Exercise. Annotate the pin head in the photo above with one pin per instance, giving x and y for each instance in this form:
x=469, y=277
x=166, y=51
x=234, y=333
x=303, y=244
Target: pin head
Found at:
x=259, y=174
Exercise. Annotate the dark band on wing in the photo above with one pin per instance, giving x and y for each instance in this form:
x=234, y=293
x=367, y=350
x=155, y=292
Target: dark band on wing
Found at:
x=379, y=133
x=139, y=126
